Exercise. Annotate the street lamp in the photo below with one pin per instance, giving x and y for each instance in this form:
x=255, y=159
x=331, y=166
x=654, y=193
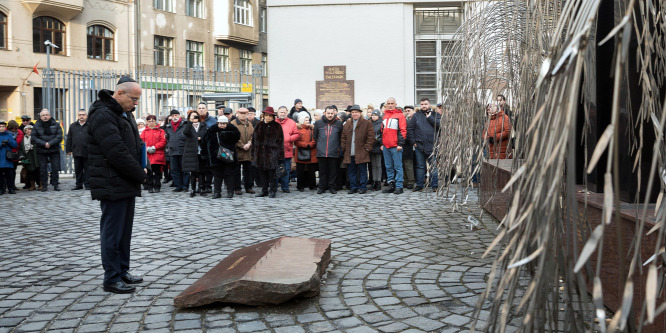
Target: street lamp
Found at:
x=47, y=89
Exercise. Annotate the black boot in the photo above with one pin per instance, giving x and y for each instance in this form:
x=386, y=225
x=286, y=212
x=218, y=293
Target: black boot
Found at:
x=230, y=194
x=193, y=193
x=390, y=188
x=262, y=194
x=217, y=195
x=271, y=194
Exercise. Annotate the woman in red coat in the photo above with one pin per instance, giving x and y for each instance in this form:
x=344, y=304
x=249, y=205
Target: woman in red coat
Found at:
x=155, y=140
x=305, y=170
x=498, y=133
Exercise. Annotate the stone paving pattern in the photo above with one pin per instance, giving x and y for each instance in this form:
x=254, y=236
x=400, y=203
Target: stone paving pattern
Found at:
x=400, y=263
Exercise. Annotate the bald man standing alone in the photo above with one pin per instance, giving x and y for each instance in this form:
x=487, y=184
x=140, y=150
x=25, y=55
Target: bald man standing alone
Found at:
x=116, y=175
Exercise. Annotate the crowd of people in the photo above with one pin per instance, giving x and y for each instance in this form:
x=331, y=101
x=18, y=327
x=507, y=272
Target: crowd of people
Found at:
x=386, y=149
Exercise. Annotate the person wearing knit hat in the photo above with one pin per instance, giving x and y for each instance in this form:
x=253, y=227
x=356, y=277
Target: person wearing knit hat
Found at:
x=222, y=119
x=225, y=135
x=296, y=109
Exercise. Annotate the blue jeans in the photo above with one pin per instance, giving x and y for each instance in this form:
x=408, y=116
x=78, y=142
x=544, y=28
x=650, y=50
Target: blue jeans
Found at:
x=358, y=174
x=421, y=167
x=180, y=179
x=393, y=162
x=284, y=181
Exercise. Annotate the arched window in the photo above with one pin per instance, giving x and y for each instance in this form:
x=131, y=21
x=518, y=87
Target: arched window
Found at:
x=100, y=42
x=48, y=28
x=3, y=31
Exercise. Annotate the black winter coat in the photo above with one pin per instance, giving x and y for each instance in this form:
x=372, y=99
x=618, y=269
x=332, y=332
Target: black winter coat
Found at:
x=327, y=136
x=43, y=132
x=193, y=146
x=77, y=139
x=377, y=126
x=267, y=145
x=422, y=130
x=175, y=139
x=227, y=138
x=293, y=113
x=408, y=147
x=114, y=148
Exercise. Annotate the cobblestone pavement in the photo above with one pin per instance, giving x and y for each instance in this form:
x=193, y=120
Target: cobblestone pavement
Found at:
x=400, y=263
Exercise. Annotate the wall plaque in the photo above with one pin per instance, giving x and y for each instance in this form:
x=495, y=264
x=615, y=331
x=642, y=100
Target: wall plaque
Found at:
x=335, y=89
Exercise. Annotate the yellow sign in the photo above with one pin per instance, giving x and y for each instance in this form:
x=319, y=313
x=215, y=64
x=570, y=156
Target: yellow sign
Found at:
x=247, y=87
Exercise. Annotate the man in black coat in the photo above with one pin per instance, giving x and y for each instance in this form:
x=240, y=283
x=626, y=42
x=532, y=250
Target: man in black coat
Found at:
x=422, y=128
x=116, y=175
x=175, y=149
x=76, y=146
x=47, y=136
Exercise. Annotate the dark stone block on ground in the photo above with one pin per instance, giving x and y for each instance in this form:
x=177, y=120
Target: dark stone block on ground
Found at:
x=271, y=272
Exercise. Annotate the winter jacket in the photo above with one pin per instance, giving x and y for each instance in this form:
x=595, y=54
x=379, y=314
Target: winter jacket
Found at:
x=422, y=129
x=408, y=147
x=155, y=137
x=175, y=139
x=246, y=130
x=193, y=146
x=29, y=155
x=77, y=139
x=364, y=138
x=267, y=145
x=394, y=129
x=377, y=127
x=306, y=141
x=227, y=138
x=290, y=135
x=499, y=130
x=210, y=121
x=114, y=149
x=8, y=146
x=18, y=137
x=43, y=132
x=293, y=113
x=327, y=135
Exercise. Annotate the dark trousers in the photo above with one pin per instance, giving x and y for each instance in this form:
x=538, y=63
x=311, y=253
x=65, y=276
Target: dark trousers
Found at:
x=305, y=175
x=358, y=174
x=81, y=171
x=255, y=175
x=180, y=179
x=201, y=176
x=267, y=177
x=6, y=179
x=115, y=234
x=223, y=172
x=13, y=175
x=328, y=171
x=155, y=176
x=284, y=181
x=248, y=178
x=44, y=160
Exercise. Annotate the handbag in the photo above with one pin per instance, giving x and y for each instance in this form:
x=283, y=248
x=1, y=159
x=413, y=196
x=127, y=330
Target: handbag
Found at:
x=11, y=155
x=303, y=154
x=223, y=154
x=280, y=171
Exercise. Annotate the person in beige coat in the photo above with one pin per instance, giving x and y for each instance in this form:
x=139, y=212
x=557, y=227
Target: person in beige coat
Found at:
x=357, y=139
x=243, y=150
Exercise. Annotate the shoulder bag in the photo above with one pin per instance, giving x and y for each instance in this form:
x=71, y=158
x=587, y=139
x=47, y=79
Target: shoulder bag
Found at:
x=223, y=154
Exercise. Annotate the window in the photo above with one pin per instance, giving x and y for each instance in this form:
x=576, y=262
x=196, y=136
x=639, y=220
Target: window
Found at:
x=165, y=5
x=243, y=12
x=245, y=62
x=193, y=54
x=47, y=28
x=437, y=21
x=262, y=20
x=426, y=69
x=264, y=65
x=100, y=43
x=3, y=31
x=163, y=51
x=221, y=58
x=194, y=8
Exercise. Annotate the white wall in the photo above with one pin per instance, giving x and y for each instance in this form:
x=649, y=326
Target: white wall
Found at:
x=374, y=41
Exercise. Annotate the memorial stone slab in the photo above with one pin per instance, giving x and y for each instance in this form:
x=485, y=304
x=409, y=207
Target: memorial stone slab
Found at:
x=335, y=89
x=271, y=272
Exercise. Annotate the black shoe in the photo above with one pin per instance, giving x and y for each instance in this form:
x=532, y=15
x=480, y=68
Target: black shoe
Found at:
x=398, y=191
x=262, y=194
x=119, y=288
x=362, y=191
x=271, y=194
x=203, y=194
x=44, y=189
x=230, y=195
x=417, y=188
x=333, y=190
x=56, y=188
x=409, y=187
x=301, y=189
x=172, y=185
x=351, y=191
x=129, y=279
x=193, y=194
x=11, y=191
x=320, y=191
x=286, y=190
x=208, y=191
x=178, y=189
x=378, y=186
x=150, y=190
x=217, y=195
x=390, y=188
x=157, y=190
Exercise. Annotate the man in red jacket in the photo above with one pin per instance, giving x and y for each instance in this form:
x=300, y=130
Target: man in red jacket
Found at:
x=394, y=132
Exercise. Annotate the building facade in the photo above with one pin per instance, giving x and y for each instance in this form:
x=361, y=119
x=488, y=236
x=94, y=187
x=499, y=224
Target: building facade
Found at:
x=389, y=48
x=179, y=50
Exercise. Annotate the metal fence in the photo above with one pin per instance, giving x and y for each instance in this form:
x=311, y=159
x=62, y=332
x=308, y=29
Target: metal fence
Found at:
x=65, y=92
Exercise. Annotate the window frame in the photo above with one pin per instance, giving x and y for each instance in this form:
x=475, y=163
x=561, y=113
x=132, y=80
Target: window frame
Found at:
x=166, y=49
x=198, y=8
x=243, y=13
x=264, y=65
x=197, y=53
x=164, y=5
x=4, y=26
x=104, y=38
x=221, y=58
x=245, y=62
x=52, y=31
x=263, y=20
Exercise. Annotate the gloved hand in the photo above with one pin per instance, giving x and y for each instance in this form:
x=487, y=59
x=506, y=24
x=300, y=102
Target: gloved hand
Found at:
x=4, y=143
x=491, y=139
x=150, y=150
